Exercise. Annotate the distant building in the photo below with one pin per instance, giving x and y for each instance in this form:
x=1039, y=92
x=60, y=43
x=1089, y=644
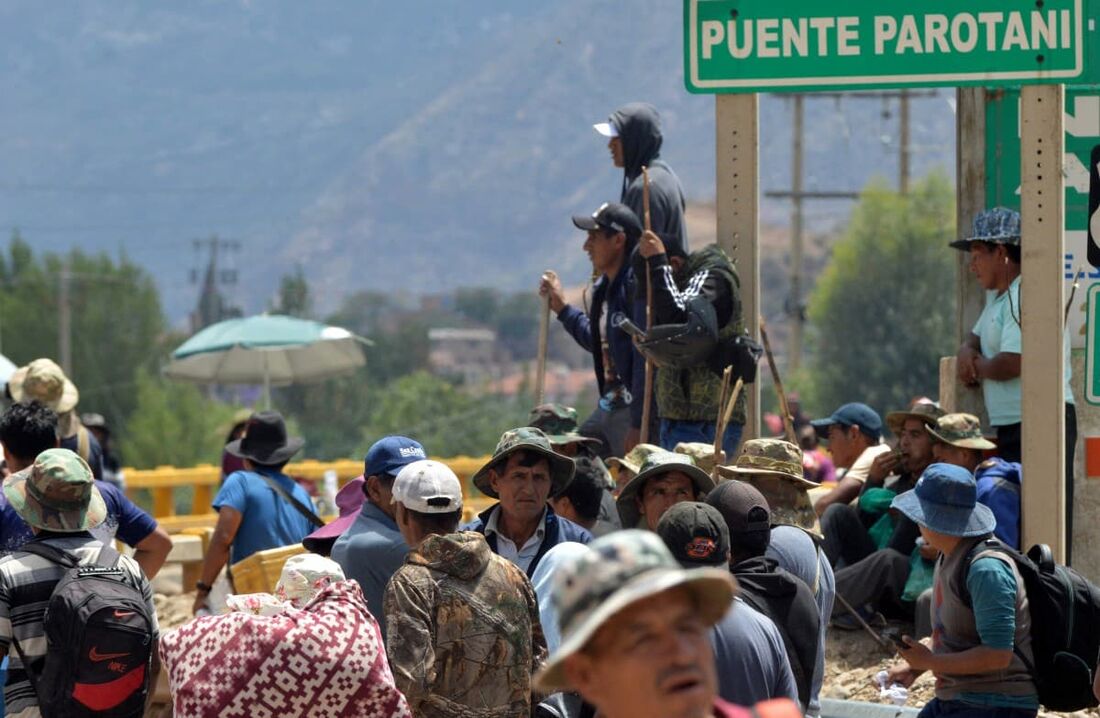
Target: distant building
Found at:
x=471, y=355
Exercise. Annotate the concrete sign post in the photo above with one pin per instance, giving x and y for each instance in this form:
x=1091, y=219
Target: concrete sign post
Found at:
x=764, y=45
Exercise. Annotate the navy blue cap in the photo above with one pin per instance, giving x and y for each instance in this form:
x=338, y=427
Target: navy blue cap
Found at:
x=390, y=454
x=853, y=414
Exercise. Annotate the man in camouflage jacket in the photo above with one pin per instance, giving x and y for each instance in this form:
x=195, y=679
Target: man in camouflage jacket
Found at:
x=463, y=632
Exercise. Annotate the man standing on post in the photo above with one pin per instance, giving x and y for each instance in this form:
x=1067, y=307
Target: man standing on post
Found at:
x=372, y=547
x=634, y=138
x=522, y=475
x=464, y=637
x=701, y=295
x=613, y=232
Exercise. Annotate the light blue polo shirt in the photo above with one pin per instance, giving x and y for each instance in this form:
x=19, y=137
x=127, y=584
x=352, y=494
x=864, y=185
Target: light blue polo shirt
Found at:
x=998, y=328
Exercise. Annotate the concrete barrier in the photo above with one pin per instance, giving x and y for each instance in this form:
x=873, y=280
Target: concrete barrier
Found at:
x=855, y=709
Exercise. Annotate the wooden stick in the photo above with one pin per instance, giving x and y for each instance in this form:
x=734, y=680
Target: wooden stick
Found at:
x=788, y=425
x=648, y=396
x=874, y=634
x=724, y=420
x=544, y=335
x=722, y=392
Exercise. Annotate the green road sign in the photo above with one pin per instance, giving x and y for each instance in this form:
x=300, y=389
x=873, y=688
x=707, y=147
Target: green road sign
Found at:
x=1002, y=166
x=770, y=46
x=1092, y=347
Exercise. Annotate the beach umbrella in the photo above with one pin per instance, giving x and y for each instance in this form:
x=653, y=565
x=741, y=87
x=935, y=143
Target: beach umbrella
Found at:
x=272, y=350
x=7, y=368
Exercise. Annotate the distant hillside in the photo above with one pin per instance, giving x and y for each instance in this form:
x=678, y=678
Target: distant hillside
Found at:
x=419, y=145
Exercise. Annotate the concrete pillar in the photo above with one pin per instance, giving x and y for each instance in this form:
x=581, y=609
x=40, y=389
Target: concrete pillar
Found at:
x=737, y=123
x=1042, y=201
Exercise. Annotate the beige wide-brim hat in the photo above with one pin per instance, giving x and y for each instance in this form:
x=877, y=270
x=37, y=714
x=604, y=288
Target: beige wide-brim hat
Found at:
x=712, y=588
x=68, y=400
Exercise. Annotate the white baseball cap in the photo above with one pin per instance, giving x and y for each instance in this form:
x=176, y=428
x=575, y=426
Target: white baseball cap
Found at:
x=428, y=487
x=606, y=129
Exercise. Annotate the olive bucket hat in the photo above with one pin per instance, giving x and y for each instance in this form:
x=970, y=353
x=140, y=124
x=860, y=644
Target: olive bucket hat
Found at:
x=962, y=430
x=56, y=493
x=559, y=423
x=774, y=467
x=657, y=464
x=526, y=438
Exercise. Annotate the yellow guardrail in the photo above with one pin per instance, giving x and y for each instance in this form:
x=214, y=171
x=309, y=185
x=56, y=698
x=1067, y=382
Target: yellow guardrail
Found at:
x=204, y=479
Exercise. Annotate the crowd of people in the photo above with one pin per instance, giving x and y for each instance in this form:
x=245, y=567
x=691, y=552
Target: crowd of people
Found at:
x=699, y=580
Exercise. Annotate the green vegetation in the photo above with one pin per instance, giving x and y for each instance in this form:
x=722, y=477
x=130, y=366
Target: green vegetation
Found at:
x=883, y=311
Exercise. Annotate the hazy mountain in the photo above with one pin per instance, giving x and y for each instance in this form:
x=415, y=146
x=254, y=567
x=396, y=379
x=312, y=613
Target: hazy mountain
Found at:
x=421, y=145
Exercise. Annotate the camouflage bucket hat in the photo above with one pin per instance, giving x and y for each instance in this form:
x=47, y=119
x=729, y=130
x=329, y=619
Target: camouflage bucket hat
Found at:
x=559, y=423
x=702, y=454
x=927, y=411
x=657, y=464
x=43, y=380
x=999, y=225
x=962, y=430
x=634, y=458
x=614, y=572
x=788, y=500
x=527, y=438
x=771, y=457
x=56, y=493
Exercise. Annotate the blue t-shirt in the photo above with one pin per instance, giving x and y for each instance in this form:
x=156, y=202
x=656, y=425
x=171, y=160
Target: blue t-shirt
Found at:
x=267, y=519
x=125, y=521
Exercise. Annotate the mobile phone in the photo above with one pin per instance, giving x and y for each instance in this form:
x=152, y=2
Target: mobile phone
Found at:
x=895, y=637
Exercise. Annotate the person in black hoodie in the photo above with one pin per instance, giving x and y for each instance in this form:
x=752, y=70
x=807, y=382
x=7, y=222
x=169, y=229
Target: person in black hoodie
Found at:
x=779, y=595
x=634, y=139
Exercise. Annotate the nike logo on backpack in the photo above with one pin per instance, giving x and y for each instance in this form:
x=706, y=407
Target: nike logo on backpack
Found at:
x=95, y=656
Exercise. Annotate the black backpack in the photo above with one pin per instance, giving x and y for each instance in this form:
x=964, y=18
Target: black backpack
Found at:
x=1065, y=625
x=99, y=640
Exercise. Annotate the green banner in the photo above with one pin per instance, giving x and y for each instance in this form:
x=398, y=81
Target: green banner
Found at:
x=757, y=46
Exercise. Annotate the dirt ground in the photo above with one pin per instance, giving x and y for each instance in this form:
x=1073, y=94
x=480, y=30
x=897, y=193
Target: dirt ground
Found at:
x=852, y=658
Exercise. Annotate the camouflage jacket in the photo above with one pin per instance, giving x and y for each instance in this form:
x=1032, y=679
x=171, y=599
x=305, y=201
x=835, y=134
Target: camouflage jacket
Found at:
x=463, y=632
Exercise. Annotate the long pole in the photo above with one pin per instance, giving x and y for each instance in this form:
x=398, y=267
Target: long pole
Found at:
x=903, y=148
x=64, y=319
x=544, y=334
x=788, y=425
x=643, y=434
x=795, y=351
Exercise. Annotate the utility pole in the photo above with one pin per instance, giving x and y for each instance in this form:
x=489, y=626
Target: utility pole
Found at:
x=903, y=144
x=64, y=319
x=795, y=350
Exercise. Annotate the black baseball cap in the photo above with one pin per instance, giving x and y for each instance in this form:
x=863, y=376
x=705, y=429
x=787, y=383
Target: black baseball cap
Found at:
x=742, y=506
x=613, y=217
x=696, y=534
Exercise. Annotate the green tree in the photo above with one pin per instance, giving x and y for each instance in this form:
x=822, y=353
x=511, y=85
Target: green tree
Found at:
x=174, y=424
x=294, y=299
x=116, y=322
x=882, y=313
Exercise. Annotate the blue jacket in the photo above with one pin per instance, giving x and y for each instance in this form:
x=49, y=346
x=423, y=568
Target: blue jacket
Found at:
x=558, y=530
x=587, y=329
x=999, y=489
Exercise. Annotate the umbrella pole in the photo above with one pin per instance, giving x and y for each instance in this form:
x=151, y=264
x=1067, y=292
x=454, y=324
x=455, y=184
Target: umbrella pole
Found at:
x=267, y=384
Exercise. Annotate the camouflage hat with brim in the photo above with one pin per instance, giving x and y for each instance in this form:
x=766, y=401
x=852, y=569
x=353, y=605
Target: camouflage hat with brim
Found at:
x=961, y=430
x=527, y=438
x=702, y=454
x=927, y=412
x=613, y=573
x=656, y=464
x=634, y=458
x=999, y=225
x=44, y=381
x=769, y=457
x=559, y=423
x=56, y=493
x=788, y=500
